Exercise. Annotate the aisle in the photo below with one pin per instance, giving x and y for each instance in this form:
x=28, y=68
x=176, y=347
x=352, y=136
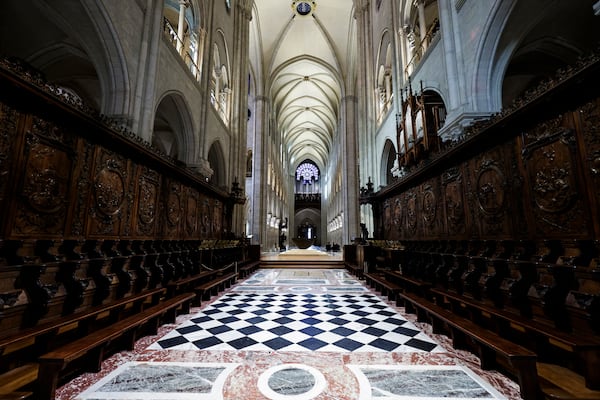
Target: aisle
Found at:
x=292, y=334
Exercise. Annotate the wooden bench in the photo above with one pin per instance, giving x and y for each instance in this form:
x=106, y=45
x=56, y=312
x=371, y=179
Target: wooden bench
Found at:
x=379, y=283
x=16, y=396
x=90, y=350
x=491, y=348
x=42, y=334
x=408, y=284
x=248, y=268
x=19, y=352
x=354, y=270
x=541, y=337
x=214, y=286
x=188, y=284
x=14, y=380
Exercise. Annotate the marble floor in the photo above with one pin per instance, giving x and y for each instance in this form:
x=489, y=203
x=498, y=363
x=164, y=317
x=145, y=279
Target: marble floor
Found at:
x=293, y=334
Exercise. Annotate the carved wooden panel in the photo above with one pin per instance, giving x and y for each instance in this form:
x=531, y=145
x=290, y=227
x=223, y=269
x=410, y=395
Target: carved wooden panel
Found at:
x=387, y=218
x=191, y=213
x=549, y=157
x=205, y=218
x=397, y=218
x=217, y=222
x=43, y=192
x=173, y=210
x=146, y=205
x=454, y=201
x=80, y=186
x=431, y=209
x=590, y=122
x=490, y=190
x=8, y=138
x=412, y=214
x=108, y=194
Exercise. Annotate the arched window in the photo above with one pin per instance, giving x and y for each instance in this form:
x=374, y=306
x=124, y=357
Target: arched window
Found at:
x=420, y=25
x=181, y=28
x=307, y=178
x=220, y=85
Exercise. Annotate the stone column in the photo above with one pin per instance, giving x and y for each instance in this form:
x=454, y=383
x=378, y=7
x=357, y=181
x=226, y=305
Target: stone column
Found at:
x=350, y=181
x=448, y=41
x=367, y=101
x=422, y=24
x=183, y=4
x=145, y=83
x=200, y=51
x=260, y=171
x=237, y=102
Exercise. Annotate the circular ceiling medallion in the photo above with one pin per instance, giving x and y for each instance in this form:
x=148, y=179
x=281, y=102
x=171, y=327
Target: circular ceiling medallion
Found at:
x=304, y=7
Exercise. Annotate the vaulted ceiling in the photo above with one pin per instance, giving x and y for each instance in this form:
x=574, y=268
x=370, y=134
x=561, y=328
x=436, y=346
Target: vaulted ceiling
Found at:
x=302, y=61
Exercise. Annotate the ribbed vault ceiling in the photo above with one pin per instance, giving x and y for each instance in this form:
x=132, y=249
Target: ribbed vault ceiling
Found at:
x=303, y=60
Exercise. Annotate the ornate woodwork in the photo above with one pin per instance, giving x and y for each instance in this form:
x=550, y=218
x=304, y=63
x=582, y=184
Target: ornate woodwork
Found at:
x=510, y=214
x=90, y=212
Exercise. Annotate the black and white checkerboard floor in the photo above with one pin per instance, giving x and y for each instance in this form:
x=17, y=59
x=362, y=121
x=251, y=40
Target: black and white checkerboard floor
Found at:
x=359, y=322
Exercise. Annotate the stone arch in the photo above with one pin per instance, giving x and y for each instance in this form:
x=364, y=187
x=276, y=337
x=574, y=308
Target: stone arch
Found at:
x=173, y=128
x=388, y=162
x=517, y=32
x=217, y=162
x=90, y=63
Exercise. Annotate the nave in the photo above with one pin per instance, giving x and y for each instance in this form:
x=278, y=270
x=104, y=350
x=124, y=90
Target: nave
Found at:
x=287, y=334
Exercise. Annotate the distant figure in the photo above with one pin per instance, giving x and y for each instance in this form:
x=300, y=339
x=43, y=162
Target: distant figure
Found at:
x=364, y=232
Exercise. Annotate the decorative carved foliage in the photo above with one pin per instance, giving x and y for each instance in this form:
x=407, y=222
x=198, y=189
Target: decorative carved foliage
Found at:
x=387, y=218
x=205, y=218
x=81, y=186
x=550, y=163
x=590, y=115
x=452, y=183
x=411, y=213
x=45, y=183
x=110, y=177
x=8, y=126
x=490, y=188
x=397, y=221
x=147, y=201
x=429, y=206
x=173, y=209
x=191, y=213
x=217, y=219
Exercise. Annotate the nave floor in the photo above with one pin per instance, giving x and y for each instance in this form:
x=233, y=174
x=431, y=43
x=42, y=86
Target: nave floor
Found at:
x=291, y=334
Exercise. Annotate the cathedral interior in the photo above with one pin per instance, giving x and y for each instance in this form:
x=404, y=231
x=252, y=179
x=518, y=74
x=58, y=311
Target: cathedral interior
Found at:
x=290, y=199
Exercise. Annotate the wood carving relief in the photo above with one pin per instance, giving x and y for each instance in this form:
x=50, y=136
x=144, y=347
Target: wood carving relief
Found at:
x=454, y=201
x=45, y=183
x=549, y=158
x=173, y=209
x=217, y=219
x=397, y=214
x=411, y=213
x=590, y=114
x=147, y=201
x=429, y=210
x=82, y=185
x=205, y=218
x=387, y=218
x=108, y=193
x=490, y=195
x=8, y=126
x=191, y=213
